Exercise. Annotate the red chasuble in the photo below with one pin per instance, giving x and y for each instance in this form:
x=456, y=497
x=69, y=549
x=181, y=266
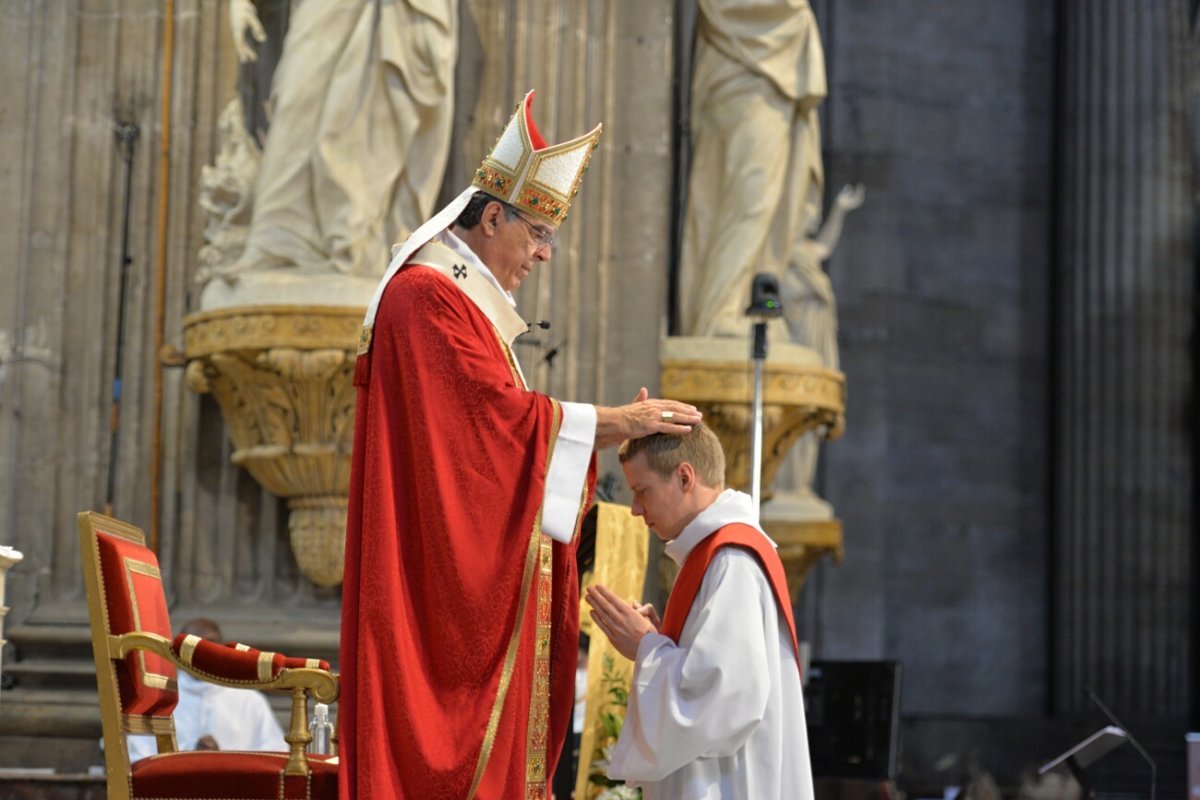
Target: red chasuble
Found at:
x=459, y=617
x=691, y=576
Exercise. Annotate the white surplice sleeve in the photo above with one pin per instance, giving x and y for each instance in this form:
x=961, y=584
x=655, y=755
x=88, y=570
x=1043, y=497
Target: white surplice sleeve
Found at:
x=567, y=472
x=707, y=695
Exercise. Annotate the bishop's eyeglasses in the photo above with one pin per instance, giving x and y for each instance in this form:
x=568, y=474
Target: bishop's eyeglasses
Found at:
x=543, y=236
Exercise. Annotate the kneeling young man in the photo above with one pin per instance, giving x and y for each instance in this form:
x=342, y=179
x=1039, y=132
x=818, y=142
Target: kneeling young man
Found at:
x=715, y=706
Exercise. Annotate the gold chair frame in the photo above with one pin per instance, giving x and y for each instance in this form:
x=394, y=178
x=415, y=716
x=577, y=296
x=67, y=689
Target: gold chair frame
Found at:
x=300, y=683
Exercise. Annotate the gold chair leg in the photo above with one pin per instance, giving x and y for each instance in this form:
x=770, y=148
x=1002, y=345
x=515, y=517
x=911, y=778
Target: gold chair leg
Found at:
x=298, y=735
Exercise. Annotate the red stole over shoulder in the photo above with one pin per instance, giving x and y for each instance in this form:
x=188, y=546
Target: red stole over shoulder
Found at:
x=691, y=575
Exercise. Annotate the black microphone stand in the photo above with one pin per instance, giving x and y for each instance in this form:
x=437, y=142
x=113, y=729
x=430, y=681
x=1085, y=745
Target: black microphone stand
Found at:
x=764, y=305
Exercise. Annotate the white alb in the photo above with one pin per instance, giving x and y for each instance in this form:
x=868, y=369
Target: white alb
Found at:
x=721, y=714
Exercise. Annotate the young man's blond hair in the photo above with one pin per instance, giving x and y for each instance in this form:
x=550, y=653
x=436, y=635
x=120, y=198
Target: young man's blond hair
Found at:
x=666, y=451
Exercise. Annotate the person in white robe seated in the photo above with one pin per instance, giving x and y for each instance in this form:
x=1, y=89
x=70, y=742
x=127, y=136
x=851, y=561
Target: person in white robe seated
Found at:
x=213, y=717
x=716, y=708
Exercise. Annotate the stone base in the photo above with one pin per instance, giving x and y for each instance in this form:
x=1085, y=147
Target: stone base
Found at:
x=62, y=755
x=734, y=350
x=717, y=375
x=802, y=543
x=797, y=506
x=22, y=785
x=285, y=286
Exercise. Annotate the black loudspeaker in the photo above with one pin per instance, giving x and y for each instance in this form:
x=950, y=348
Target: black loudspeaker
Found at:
x=853, y=713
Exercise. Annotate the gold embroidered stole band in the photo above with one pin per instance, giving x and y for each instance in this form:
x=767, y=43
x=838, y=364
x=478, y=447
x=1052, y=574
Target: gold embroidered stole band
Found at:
x=539, y=700
x=533, y=560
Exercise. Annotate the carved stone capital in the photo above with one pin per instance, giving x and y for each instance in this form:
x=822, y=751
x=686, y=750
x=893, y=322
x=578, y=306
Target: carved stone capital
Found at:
x=261, y=327
x=283, y=377
x=799, y=395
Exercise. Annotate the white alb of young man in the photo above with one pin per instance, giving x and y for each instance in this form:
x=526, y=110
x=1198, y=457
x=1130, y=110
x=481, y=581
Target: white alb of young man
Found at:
x=715, y=707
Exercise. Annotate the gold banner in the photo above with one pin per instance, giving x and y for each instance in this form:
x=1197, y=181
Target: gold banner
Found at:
x=621, y=547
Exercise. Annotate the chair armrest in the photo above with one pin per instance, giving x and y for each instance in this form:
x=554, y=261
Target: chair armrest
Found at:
x=245, y=667
x=123, y=645
x=234, y=663
x=288, y=661
x=227, y=666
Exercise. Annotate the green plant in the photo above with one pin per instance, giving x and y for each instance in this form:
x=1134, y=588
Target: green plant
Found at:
x=612, y=717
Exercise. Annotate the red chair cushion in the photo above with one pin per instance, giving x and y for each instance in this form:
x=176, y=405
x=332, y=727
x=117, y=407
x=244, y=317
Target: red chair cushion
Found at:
x=295, y=662
x=133, y=595
x=236, y=662
x=290, y=662
x=225, y=662
x=219, y=774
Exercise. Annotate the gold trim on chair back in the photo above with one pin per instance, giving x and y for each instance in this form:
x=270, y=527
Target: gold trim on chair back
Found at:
x=125, y=594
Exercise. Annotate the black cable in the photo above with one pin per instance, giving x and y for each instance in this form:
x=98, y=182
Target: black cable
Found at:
x=127, y=134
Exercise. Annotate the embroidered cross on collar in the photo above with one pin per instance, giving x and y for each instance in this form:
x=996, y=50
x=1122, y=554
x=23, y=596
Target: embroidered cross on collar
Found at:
x=460, y=271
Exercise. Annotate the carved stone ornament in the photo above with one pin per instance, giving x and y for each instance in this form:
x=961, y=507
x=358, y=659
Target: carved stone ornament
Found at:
x=283, y=377
x=799, y=394
x=717, y=376
x=802, y=543
x=227, y=194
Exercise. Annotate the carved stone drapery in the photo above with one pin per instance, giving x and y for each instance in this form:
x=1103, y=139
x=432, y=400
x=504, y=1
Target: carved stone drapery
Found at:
x=283, y=377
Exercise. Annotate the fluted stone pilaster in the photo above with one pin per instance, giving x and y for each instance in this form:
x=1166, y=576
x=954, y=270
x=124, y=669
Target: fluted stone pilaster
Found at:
x=1123, y=515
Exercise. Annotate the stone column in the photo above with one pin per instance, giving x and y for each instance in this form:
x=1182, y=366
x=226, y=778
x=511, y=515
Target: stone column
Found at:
x=1123, y=521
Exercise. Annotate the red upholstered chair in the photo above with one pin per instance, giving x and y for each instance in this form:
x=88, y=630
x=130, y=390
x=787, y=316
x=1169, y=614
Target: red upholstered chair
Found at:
x=136, y=665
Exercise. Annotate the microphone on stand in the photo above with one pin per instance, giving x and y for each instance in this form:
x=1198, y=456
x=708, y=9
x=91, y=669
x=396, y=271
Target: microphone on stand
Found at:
x=552, y=352
x=764, y=305
x=528, y=341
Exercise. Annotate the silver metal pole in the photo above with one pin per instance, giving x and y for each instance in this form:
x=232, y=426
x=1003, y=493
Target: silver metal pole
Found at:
x=756, y=434
x=759, y=354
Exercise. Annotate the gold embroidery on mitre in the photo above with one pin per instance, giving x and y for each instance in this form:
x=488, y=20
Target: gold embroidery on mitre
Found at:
x=541, y=181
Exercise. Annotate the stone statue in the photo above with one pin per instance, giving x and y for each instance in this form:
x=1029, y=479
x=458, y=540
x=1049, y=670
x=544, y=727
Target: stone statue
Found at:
x=259, y=28
x=810, y=311
x=809, y=306
x=756, y=176
x=227, y=193
x=243, y=22
x=360, y=117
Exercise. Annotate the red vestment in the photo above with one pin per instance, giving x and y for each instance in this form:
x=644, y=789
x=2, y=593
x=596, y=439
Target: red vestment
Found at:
x=443, y=662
